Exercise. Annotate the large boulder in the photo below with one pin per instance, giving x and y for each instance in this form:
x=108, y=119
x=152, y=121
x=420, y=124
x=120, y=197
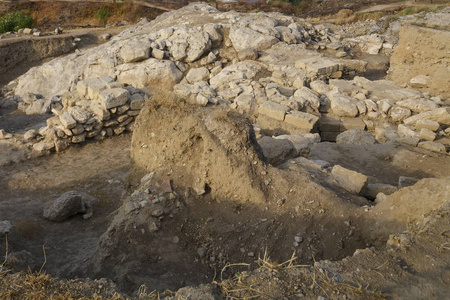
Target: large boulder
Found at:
x=244, y=38
x=67, y=205
x=276, y=151
x=151, y=72
x=356, y=136
x=70, y=204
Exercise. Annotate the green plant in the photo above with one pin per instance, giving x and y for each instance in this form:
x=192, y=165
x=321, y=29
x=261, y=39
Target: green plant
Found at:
x=14, y=21
x=103, y=13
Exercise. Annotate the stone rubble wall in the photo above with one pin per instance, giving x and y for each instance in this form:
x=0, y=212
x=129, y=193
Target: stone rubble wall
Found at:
x=263, y=64
x=100, y=108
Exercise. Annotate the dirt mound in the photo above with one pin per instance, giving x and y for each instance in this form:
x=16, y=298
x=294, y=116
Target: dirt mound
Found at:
x=208, y=199
x=415, y=56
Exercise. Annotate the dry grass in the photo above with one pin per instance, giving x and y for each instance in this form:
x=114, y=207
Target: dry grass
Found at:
x=244, y=286
x=238, y=287
x=42, y=286
x=39, y=285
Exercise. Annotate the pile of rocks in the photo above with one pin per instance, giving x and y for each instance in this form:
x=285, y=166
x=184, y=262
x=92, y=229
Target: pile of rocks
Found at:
x=101, y=107
x=263, y=64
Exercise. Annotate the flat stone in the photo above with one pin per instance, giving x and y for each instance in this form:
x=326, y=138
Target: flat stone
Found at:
x=420, y=81
x=428, y=124
x=135, y=50
x=398, y=114
x=319, y=65
x=411, y=141
x=427, y=134
x=352, y=181
x=111, y=98
x=302, y=120
x=351, y=123
x=436, y=147
x=42, y=146
x=440, y=115
x=356, y=137
x=273, y=110
x=406, y=131
x=418, y=105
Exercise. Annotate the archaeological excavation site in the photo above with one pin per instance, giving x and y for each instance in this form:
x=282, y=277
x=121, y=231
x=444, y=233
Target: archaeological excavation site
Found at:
x=225, y=150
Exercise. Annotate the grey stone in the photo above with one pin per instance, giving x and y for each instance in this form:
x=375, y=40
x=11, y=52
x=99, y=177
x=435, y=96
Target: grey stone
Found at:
x=356, y=137
x=375, y=188
x=404, y=181
x=137, y=102
x=5, y=227
x=276, y=151
x=67, y=205
x=80, y=114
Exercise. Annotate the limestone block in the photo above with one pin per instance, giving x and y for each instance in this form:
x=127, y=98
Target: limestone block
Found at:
x=273, y=110
x=352, y=181
x=302, y=120
x=113, y=97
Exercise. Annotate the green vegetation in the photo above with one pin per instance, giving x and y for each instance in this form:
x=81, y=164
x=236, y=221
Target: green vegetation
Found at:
x=103, y=13
x=14, y=21
x=417, y=9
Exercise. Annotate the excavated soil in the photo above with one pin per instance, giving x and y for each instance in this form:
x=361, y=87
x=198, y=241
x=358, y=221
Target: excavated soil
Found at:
x=221, y=203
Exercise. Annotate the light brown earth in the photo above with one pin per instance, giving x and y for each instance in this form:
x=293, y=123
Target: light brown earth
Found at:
x=248, y=205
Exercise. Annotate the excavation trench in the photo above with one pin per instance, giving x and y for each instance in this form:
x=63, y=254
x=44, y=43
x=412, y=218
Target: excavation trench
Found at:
x=210, y=200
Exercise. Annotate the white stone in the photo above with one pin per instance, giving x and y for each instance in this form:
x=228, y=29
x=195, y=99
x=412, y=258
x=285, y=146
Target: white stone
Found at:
x=67, y=120
x=111, y=98
x=135, y=50
x=197, y=74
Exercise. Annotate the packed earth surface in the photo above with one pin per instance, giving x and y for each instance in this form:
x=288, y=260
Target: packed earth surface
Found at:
x=226, y=151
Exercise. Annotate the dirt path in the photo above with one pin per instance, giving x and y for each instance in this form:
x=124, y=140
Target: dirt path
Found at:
x=142, y=3
x=395, y=6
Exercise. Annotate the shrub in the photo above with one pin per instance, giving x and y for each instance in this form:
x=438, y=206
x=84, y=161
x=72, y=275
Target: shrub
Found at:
x=14, y=21
x=103, y=13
